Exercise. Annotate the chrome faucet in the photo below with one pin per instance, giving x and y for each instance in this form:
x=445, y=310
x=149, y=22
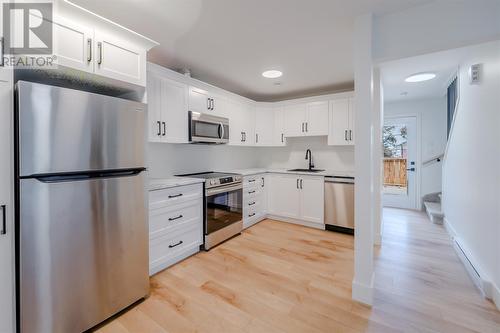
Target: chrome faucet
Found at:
x=310, y=156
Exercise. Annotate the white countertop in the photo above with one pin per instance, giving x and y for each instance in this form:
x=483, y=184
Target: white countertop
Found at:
x=326, y=173
x=164, y=183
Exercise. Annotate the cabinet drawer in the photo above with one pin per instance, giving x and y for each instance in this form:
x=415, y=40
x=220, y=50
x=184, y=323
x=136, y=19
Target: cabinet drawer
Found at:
x=175, y=195
x=255, y=180
x=251, y=208
x=170, y=218
x=163, y=249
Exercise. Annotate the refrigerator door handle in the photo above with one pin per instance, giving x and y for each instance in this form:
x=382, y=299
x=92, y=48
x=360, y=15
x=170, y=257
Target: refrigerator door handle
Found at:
x=72, y=176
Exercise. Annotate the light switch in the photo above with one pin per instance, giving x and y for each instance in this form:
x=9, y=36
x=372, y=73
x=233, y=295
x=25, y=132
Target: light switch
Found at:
x=475, y=74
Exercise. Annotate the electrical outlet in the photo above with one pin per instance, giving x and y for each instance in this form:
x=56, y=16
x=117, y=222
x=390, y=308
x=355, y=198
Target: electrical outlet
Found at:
x=475, y=74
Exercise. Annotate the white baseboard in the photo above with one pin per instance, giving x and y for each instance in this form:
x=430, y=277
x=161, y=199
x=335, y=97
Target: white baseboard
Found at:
x=295, y=221
x=485, y=285
x=363, y=293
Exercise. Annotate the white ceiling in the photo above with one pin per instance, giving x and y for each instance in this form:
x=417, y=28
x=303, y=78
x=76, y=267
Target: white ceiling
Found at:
x=229, y=43
x=443, y=64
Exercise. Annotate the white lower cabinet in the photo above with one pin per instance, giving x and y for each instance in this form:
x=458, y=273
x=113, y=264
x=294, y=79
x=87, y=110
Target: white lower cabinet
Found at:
x=175, y=225
x=6, y=204
x=296, y=198
x=254, y=199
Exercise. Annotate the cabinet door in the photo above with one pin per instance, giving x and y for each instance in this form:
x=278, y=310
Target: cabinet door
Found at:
x=283, y=195
x=295, y=119
x=155, y=125
x=174, y=100
x=263, y=184
x=352, y=117
x=264, y=126
x=235, y=113
x=119, y=59
x=7, y=239
x=339, y=122
x=312, y=199
x=248, y=125
x=73, y=45
x=317, y=118
x=279, y=138
x=198, y=100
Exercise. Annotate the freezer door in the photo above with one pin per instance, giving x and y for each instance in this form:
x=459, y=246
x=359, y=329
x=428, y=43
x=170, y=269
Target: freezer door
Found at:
x=63, y=130
x=83, y=251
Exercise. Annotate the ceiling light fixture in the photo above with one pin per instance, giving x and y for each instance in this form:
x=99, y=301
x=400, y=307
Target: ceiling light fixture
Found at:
x=272, y=74
x=420, y=77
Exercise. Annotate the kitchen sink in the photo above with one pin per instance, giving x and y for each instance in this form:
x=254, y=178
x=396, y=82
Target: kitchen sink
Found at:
x=306, y=170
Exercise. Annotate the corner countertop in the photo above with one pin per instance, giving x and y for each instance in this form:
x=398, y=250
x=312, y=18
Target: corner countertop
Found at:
x=326, y=173
x=164, y=183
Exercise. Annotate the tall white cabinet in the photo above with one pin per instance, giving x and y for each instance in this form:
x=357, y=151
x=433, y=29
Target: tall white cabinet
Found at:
x=7, y=290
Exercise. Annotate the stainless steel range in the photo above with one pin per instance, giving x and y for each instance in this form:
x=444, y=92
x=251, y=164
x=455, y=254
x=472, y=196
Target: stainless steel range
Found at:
x=223, y=206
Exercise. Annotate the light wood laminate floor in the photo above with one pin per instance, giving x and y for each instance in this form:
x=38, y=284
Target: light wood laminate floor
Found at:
x=278, y=277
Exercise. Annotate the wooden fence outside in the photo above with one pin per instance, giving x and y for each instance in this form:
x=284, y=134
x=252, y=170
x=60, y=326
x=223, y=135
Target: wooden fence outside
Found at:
x=395, y=172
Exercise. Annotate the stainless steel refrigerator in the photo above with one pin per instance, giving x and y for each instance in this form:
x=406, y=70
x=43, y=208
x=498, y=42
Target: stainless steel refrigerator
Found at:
x=82, y=234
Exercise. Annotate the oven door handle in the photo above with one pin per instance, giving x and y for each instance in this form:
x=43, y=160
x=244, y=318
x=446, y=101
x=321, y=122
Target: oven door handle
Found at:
x=223, y=189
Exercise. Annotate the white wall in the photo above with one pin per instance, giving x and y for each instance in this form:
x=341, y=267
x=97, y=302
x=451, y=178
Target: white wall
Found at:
x=166, y=160
x=471, y=178
x=293, y=155
x=439, y=25
x=431, y=124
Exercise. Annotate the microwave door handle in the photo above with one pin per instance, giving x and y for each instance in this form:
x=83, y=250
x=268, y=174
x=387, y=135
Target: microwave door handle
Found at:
x=221, y=131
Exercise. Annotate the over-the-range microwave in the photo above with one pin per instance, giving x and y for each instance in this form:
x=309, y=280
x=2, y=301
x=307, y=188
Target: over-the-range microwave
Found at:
x=205, y=128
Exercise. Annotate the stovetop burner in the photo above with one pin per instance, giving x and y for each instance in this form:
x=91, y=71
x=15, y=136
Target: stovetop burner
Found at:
x=215, y=179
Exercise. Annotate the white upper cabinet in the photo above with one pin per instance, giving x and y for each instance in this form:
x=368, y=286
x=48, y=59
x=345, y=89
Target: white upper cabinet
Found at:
x=73, y=45
x=264, y=126
x=202, y=101
x=279, y=138
x=241, y=123
x=341, y=122
x=295, y=119
x=317, y=119
x=167, y=110
x=306, y=119
x=119, y=59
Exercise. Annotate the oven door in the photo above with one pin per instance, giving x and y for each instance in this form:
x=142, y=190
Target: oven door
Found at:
x=207, y=128
x=224, y=207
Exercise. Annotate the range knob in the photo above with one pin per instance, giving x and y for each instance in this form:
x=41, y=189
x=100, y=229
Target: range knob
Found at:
x=212, y=181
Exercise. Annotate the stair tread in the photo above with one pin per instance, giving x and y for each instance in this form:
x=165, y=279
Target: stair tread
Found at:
x=434, y=208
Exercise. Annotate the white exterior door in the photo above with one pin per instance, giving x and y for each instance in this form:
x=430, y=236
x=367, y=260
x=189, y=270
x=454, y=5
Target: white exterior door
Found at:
x=118, y=59
x=283, y=195
x=400, y=162
x=174, y=100
x=6, y=206
x=317, y=118
x=312, y=199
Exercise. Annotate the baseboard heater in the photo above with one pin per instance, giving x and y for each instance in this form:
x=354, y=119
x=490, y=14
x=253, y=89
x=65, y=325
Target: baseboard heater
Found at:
x=469, y=266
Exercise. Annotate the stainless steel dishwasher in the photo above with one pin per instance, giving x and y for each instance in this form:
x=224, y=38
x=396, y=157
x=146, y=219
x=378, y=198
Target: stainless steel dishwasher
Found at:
x=339, y=204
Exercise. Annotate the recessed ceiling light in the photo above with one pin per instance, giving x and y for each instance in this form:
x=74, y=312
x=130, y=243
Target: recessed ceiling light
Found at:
x=404, y=93
x=420, y=77
x=272, y=74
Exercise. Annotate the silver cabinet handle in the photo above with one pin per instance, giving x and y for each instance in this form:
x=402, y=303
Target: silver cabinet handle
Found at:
x=244, y=136
x=241, y=136
x=282, y=138
x=99, y=49
x=256, y=138
x=306, y=127
x=89, y=49
x=2, y=52
x=297, y=184
x=213, y=104
x=263, y=181
x=301, y=184
x=350, y=135
x=345, y=135
x=208, y=103
x=251, y=203
x=164, y=128
x=175, y=218
x=159, y=128
x=251, y=215
x=4, y=220
x=302, y=127
x=174, y=245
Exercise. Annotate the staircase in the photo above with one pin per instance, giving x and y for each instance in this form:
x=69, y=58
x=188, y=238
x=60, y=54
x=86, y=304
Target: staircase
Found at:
x=432, y=205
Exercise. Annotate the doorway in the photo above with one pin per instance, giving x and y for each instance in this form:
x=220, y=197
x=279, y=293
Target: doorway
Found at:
x=399, y=137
